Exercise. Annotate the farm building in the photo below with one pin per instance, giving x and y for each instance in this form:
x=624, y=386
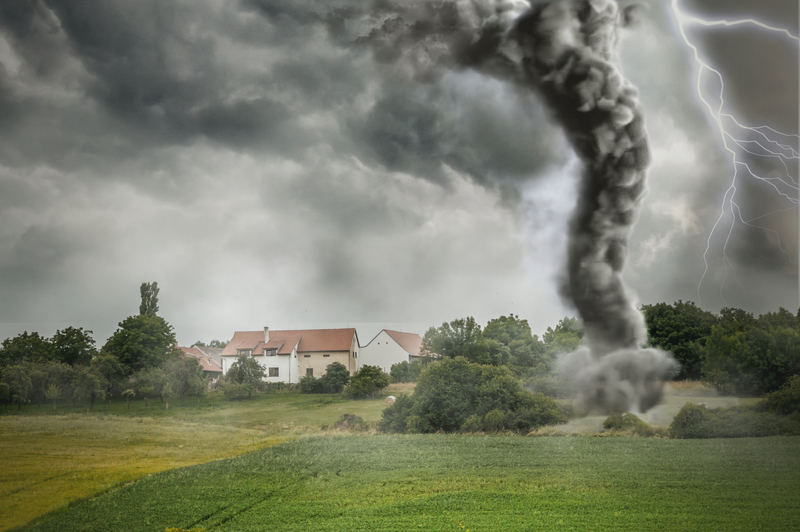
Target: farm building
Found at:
x=390, y=347
x=287, y=356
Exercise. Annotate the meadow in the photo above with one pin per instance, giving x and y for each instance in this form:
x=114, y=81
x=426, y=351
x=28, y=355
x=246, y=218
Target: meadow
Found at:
x=55, y=461
x=441, y=482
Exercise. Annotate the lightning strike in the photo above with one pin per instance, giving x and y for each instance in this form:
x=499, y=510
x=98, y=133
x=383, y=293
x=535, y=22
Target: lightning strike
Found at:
x=740, y=141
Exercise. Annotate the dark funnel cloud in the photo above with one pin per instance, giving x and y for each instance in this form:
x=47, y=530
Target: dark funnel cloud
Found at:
x=568, y=54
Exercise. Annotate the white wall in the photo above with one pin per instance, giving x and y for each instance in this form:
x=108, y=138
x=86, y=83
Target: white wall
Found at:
x=383, y=352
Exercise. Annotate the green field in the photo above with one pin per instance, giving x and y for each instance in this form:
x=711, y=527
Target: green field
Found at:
x=330, y=481
x=431, y=482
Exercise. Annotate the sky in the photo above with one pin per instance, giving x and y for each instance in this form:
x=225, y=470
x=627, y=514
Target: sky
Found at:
x=341, y=163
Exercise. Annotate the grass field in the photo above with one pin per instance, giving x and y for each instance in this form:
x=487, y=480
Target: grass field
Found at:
x=431, y=482
x=51, y=459
x=47, y=462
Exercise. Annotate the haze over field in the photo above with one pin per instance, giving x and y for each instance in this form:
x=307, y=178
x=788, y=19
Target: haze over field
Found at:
x=300, y=164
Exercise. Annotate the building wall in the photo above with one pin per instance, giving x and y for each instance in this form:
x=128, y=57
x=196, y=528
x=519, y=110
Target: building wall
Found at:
x=383, y=351
x=318, y=361
x=282, y=362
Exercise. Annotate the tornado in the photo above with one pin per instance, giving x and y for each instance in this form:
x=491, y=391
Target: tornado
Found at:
x=569, y=56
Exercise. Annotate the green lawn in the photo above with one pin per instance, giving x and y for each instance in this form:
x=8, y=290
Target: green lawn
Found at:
x=430, y=482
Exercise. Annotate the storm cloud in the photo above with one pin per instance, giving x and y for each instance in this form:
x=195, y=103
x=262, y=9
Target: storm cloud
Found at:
x=300, y=163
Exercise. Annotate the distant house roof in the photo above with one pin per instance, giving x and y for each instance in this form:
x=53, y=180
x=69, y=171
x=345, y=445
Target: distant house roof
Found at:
x=208, y=363
x=213, y=352
x=284, y=342
x=411, y=342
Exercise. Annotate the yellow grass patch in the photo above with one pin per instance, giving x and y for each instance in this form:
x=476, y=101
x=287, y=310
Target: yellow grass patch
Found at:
x=49, y=461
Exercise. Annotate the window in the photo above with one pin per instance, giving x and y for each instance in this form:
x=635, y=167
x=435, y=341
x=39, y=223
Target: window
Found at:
x=310, y=371
x=325, y=355
x=245, y=352
x=272, y=352
x=355, y=355
x=273, y=372
x=306, y=356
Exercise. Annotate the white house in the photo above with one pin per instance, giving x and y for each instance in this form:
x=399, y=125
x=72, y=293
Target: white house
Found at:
x=390, y=347
x=287, y=356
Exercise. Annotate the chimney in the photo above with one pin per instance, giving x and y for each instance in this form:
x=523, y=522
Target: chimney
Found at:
x=266, y=335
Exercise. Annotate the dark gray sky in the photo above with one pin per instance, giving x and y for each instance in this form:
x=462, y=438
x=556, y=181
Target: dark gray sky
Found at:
x=330, y=163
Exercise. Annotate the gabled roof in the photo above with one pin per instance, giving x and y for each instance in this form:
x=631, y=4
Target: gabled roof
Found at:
x=325, y=339
x=411, y=342
x=253, y=340
x=285, y=342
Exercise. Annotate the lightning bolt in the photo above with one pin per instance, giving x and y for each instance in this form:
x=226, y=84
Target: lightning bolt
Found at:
x=741, y=141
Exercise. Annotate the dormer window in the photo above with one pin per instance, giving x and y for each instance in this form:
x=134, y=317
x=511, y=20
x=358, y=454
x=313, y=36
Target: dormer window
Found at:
x=272, y=352
x=245, y=352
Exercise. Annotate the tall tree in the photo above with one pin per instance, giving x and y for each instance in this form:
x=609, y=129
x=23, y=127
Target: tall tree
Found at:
x=463, y=338
x=527, y=352
x=149, y=305
x=565, y=338
x=74, y=346
x=141, y=342
x=682, y=329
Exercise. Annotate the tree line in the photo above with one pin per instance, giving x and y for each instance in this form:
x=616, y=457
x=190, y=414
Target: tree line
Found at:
x=140, y=358
x=734, y=351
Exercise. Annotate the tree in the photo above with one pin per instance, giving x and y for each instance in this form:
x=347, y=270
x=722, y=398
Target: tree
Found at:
x=682, y=329
x=53, y=393
x=74, y=346
x=89, y=383
x=151, y=381
x=749, y=356
x=247, y=373
x=565, y=338
x=406, y=371
x=367, y=382
x=25, y=347
x=527, y=352
x=16, y=384
x=142, y=342
x=185, y=376
x=149, y=304
x=463, y=338
x=110, y=369
x=335, y=379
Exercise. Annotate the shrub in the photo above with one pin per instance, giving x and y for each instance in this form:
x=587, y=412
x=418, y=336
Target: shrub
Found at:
x=349, y=421
x=628, y=423
x=406, y=372
x=367, y=382
x=335, y=379
x=310, y=384
x=786, y=400
x=457, y=395
x=695, y=421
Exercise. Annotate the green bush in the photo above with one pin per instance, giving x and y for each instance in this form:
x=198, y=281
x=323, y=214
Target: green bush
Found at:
x=310, y=384
x=455, y=395
x=628, y=423
x=367, y=382
x=406, y=372
x=696, y=421
x=786, y=400
x=335, y=379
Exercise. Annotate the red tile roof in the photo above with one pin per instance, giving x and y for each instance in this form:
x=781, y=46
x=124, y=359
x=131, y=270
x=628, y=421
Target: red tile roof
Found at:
x=285, y=341
x=411, y=342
